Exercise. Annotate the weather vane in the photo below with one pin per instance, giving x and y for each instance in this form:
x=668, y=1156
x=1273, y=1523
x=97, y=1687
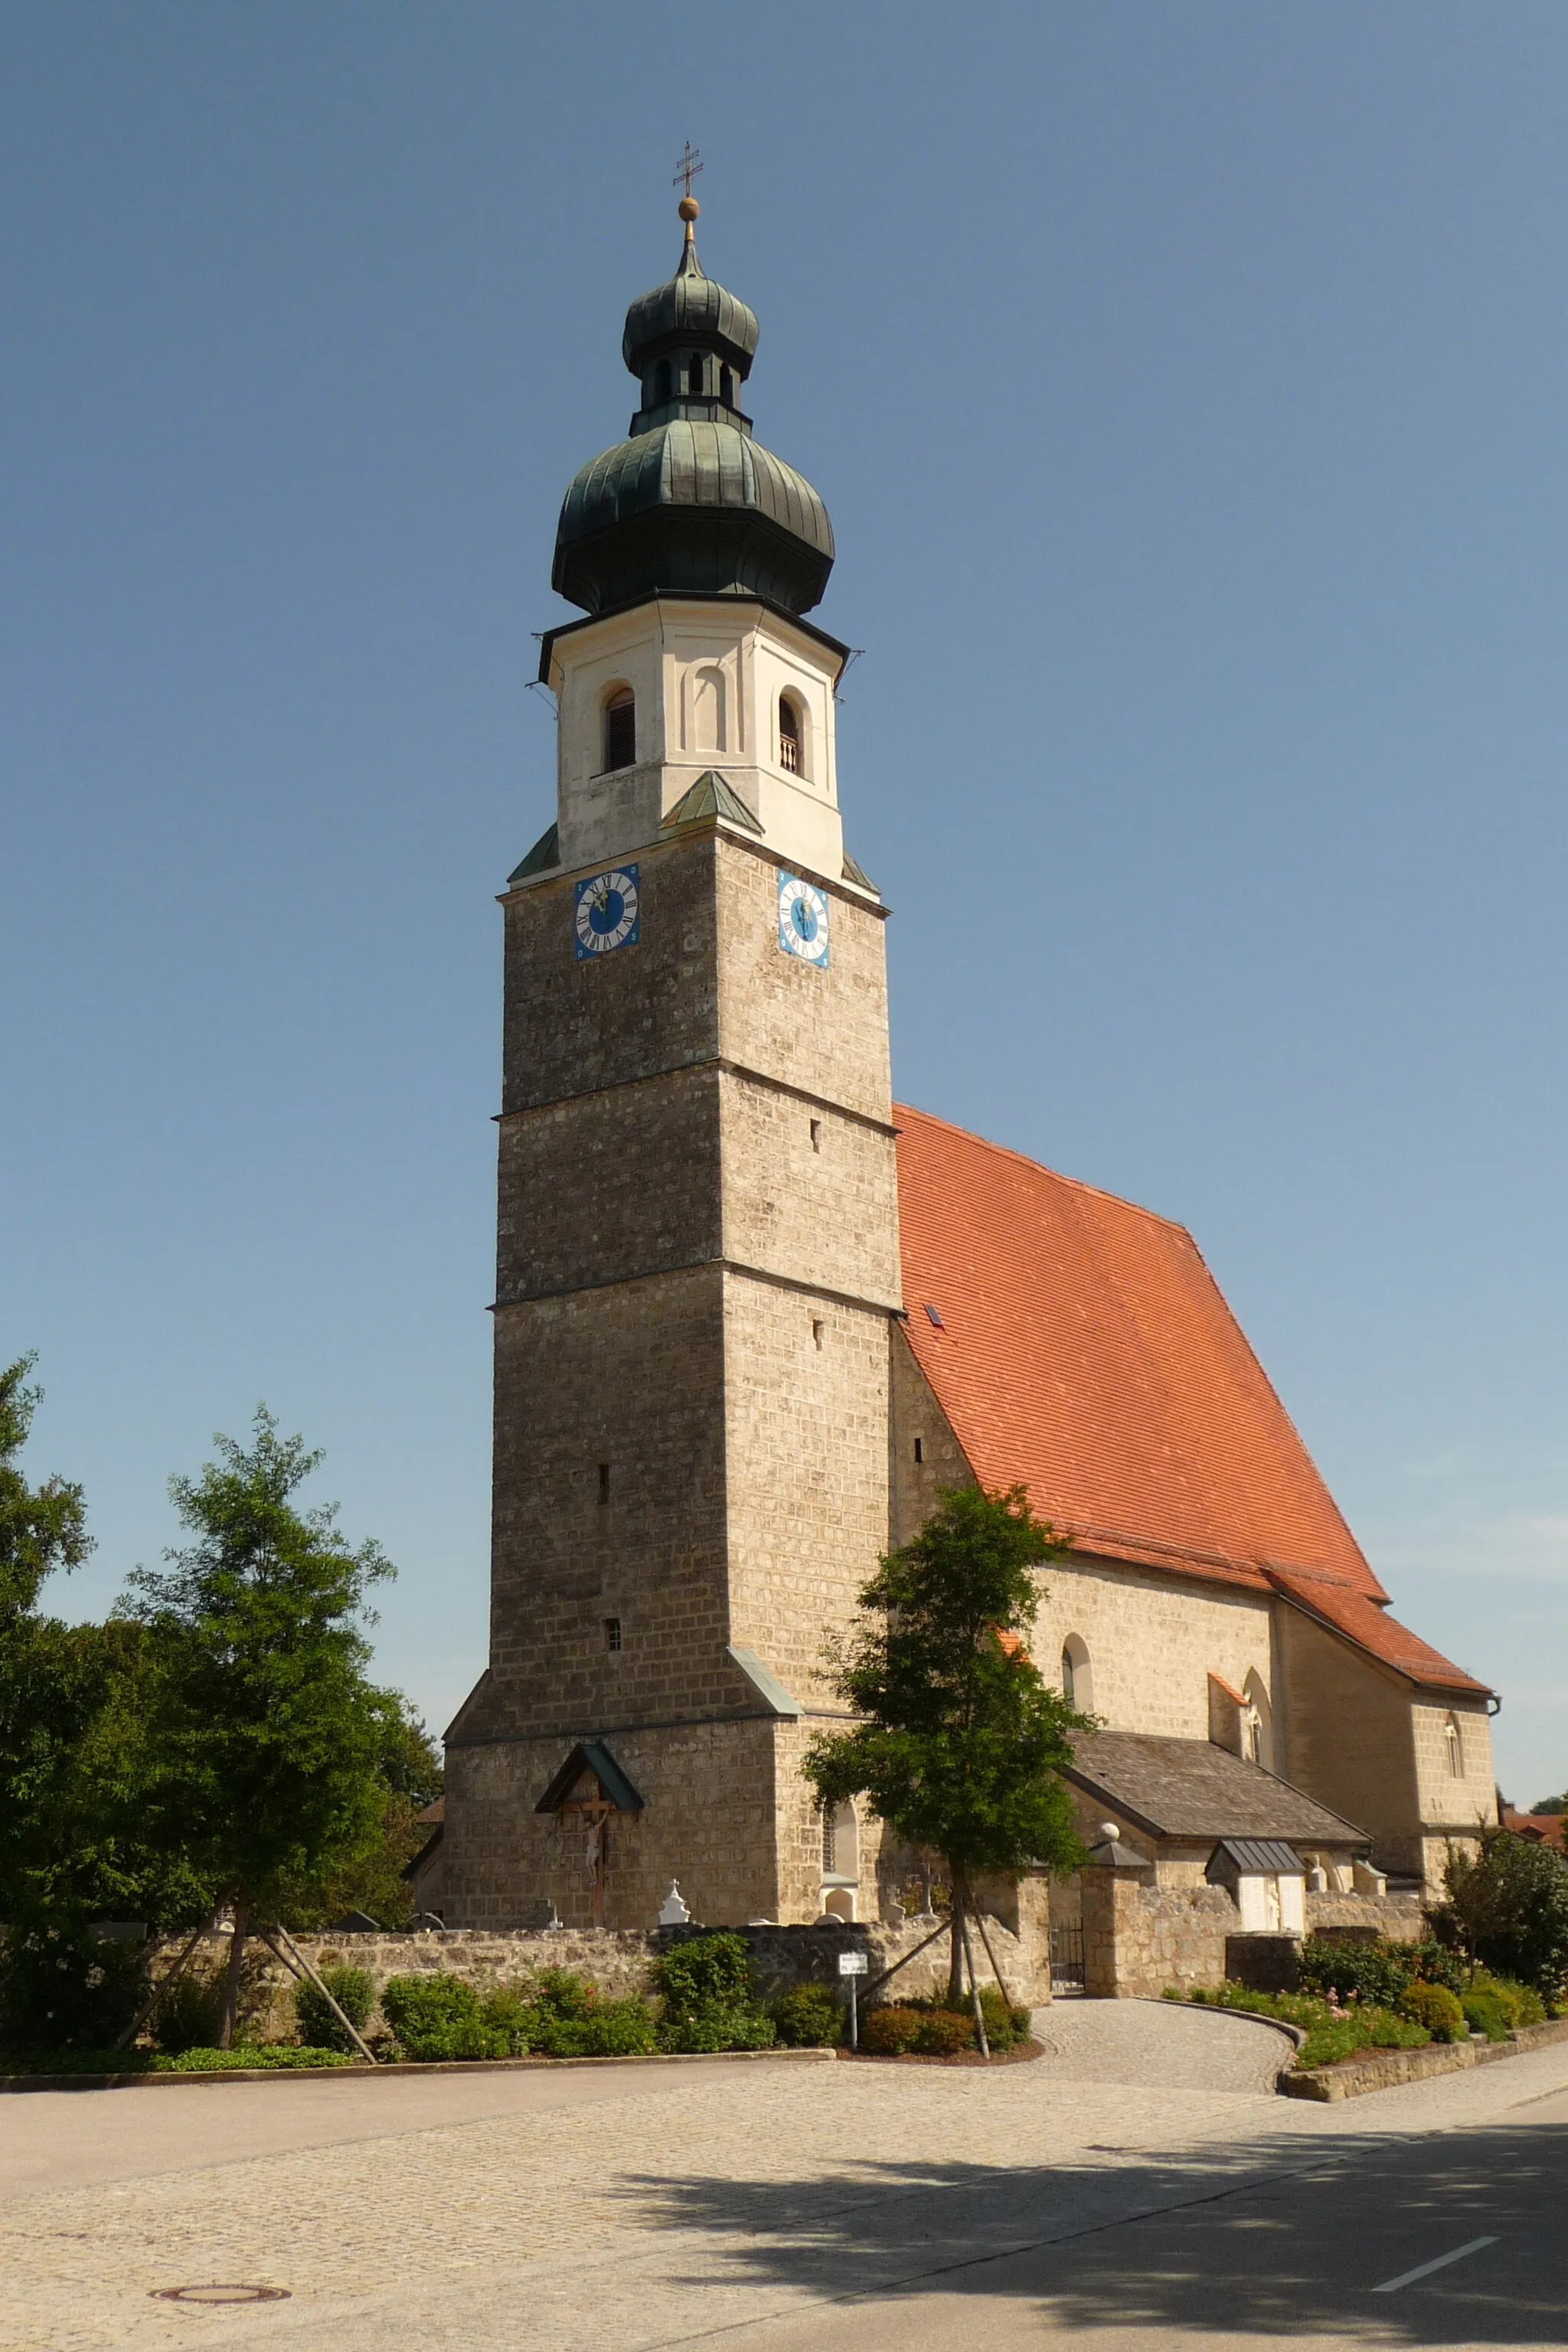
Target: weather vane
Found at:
x=686, y=171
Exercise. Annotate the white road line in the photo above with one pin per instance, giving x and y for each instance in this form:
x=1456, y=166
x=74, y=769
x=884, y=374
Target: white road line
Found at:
x=1425, y=2269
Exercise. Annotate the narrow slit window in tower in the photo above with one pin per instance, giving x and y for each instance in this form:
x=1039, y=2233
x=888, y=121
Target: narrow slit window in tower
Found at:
x=920, y=1449
x=662, y=383
x=727, y=387
x=818, y=1330
x=816, y=1135
x=621, y=729
x=694, y=376
x=603, y=1482
x=612, y=1633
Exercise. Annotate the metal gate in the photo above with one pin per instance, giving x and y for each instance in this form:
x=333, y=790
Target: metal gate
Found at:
x=1066, y=1954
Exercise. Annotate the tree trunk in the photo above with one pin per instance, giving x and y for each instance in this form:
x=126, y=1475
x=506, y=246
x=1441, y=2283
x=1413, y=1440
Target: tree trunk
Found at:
x=955, y=1963
x=231, y=1975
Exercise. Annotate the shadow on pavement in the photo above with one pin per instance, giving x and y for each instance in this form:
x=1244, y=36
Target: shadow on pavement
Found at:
x=1273, y=2239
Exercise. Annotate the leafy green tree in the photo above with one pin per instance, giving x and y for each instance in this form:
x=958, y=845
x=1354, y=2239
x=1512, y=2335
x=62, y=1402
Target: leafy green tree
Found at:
x=1507, y=1908
x=408, y=1766
x=960, y=1742
x=53, y=1681
x=263, y=1735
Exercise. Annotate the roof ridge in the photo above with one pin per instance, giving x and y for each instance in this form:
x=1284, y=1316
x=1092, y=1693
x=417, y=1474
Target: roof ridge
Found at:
x=1077, y=1183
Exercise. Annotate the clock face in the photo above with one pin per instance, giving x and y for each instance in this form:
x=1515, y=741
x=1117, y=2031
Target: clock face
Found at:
x=803, y=921
x=606, y=912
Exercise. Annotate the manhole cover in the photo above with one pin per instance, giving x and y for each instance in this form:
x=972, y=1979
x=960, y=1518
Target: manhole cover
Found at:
x=218, y=2293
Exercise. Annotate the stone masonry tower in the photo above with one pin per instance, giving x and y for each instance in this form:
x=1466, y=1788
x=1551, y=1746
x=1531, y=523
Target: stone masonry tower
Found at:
x=698, y=1239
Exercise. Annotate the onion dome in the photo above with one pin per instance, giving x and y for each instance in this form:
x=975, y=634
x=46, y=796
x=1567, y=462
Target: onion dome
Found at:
x=690, y=503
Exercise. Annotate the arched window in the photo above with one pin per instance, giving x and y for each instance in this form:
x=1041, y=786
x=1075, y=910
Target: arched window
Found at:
x=727, y=387
x=792, y=747
x=662, y=383
x=620, y=729
x=694, y=376
x=1078, y=1674
x=1257, y=1722
x=840, y=1860
x=1453, y=1739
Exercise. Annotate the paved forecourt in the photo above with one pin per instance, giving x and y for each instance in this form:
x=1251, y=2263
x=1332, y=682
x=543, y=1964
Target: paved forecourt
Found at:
x=584, y=2217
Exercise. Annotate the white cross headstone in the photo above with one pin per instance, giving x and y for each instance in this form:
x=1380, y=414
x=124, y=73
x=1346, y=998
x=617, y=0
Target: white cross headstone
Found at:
x=673, y=1912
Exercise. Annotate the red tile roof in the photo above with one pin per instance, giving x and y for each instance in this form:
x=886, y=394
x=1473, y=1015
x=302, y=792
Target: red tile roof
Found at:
x=1541, y=1828
x=1080, y=1347
x=1372, y=1628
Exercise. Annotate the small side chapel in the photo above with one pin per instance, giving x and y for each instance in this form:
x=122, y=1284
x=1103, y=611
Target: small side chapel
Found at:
x=751, y=1315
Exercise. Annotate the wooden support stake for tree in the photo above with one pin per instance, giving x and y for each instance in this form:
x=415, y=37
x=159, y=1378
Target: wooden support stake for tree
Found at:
x=161, y=1987
x=980, y=1923
x=302, y=1968
x=877, y=1982
x=973, y=1985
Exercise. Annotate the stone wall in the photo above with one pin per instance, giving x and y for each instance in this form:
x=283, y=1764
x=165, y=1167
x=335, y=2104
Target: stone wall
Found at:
x=1400, y=1917
x=616, y=1961
x=1138, y=1938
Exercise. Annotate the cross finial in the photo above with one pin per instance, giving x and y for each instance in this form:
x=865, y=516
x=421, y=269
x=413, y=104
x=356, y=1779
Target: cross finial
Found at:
x=690, y=163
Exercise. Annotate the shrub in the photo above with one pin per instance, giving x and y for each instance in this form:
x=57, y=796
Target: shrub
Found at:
x=889, y=2033
x=942, y=2032
x=354, y=1989
x=1507, y=1907
x=189, y=2012
x=1005, y=2025
x=60, y=1991
x=809, y=2017
x=1438, y=1964
x=437, y=2018
x=274, y=2056
x=1523, y=2002
x=1485, y=2010
x=708, y=2000
x=1435, y=2008
x=1373, y=1972
x=509, y=2023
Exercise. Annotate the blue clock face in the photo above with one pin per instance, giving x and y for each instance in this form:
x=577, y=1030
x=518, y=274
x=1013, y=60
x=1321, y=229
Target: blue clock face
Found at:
x=803, y=921
x=607, y=912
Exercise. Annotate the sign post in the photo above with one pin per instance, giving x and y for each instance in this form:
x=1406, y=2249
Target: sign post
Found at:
x=853, y=1964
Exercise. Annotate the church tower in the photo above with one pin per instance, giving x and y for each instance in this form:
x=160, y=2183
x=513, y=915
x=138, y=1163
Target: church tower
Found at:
x=696, y=1263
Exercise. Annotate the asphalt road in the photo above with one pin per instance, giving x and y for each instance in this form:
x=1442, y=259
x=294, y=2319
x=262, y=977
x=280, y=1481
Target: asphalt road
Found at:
x=1457, y=2241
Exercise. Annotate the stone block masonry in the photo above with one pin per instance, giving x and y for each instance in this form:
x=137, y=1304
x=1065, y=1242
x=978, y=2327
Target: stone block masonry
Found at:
x=618, y=1961
x=697, y=1271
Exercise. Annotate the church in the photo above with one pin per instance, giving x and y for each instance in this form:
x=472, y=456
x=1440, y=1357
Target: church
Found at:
x=752, y=1315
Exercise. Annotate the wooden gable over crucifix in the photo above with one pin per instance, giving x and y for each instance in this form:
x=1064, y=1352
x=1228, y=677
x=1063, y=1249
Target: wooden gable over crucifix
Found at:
x=591, y=1789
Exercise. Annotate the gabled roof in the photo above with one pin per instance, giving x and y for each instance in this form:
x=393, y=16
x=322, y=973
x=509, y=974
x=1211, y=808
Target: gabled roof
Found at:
x=1360, y=1621
x=1079, y=1346
x=712, y=795
x=1190, y=1790
x=591, y=1756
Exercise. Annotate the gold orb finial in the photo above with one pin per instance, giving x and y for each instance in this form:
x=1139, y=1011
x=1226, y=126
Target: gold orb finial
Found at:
x=689, y=209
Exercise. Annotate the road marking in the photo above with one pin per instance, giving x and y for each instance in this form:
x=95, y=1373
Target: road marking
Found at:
x=1425, y=2269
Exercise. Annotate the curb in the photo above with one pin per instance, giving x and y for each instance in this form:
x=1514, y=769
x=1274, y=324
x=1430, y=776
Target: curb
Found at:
x=360, y=2073
x=1389, y=2069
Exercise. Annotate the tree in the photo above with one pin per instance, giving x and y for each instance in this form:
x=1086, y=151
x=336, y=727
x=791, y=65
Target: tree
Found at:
x=264, y=1734
x=961, y=1742
x=1507, y=1907
x=51, y=1675
x=409, y=1768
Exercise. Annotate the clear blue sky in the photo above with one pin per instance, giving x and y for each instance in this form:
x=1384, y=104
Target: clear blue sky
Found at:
x=1189, y=389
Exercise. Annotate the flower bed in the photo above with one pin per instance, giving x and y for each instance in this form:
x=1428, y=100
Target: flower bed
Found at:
x=1334, y=2031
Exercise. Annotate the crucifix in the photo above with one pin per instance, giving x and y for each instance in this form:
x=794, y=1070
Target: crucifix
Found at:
x=686, y=171
x=594, y=1812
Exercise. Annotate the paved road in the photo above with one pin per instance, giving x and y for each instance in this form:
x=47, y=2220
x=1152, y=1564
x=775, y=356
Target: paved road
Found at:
x=1101, y=2196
